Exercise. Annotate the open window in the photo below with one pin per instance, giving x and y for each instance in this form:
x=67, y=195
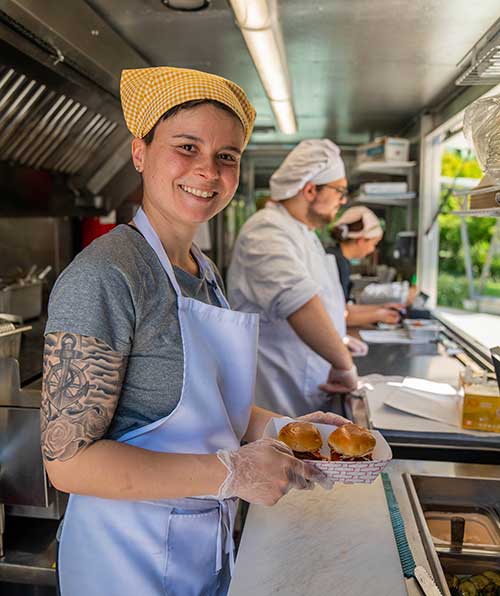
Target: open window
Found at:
x=459, y=254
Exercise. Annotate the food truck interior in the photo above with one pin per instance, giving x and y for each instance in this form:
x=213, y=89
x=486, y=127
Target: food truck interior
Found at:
x=388, y=82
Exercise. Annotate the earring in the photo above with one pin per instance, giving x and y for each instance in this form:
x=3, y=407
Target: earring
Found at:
x=138, y=168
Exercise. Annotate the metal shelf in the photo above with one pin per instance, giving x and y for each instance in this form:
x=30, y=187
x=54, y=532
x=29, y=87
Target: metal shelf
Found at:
x=490, y=212
x=467, y=210
x=397, y=168
x=477, y=191
x=390, y=200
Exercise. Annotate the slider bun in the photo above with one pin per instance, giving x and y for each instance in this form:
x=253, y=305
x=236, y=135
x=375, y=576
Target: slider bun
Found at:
x=352, y=440
x=301, y=436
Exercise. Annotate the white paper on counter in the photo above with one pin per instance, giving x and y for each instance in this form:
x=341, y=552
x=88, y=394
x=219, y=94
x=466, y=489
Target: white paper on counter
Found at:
x=415, y=384
x=439, y=407
x=384, y=417
x=396, y=336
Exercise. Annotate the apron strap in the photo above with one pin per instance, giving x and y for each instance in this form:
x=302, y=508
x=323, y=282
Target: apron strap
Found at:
x=208, y=273
x=227, y=513
x=144, y=227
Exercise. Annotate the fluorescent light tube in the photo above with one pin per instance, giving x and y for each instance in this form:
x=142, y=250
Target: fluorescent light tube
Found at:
x=285, y=116
x=268, y=62
x=252, y=14
x=259, y=26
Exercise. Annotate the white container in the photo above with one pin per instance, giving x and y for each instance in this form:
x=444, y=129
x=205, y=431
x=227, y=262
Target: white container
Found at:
x=422, y=329
x=390, y=149
x=383, y=188
x=345, y=472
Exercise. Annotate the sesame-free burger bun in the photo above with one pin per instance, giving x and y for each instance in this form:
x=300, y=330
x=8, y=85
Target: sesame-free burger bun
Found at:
x=352, y=440
x=301, y=437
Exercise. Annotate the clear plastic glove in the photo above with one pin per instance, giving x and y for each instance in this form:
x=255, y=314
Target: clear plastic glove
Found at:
x=324, y=418
x=341, y=380
x=264, y=471
x=355, y=346
x=390, y=313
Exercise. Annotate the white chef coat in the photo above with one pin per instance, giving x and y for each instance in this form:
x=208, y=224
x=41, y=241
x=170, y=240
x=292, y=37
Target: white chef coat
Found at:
x=279, y=264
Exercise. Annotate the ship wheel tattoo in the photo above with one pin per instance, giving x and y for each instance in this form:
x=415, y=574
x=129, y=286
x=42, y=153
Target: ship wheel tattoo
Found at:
x=66, y=382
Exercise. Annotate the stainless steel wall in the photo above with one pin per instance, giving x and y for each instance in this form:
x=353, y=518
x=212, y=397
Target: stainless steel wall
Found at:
x=39, y=240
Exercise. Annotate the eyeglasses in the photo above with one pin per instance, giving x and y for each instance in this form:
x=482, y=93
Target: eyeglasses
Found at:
x=343, y=192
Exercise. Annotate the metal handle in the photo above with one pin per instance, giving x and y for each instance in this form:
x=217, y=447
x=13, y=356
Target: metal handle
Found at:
x=457, y=532
x=16, y=331
x=2, y=528
x=44, y=273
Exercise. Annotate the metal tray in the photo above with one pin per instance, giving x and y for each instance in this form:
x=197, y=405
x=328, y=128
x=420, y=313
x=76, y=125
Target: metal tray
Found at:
x=24, y=300
x=482, y=528
x=10, y=339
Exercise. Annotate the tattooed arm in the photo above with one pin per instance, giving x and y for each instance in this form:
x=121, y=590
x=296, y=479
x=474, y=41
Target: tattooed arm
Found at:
x=82, y=379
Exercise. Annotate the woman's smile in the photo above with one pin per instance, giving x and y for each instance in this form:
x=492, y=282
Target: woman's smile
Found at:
x=197, y=192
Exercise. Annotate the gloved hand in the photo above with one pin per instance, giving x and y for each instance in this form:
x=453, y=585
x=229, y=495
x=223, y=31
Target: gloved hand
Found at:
x=356, y=346
x=264, y=471
x=341, y=380
x=324, y=418
x=390, y=313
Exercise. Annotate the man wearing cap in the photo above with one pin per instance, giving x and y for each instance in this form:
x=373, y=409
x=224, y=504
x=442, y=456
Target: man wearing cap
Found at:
x=279, y=269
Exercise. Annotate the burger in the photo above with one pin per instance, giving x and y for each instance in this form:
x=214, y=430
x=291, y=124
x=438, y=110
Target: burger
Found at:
x=351, y=442
x=303, y=438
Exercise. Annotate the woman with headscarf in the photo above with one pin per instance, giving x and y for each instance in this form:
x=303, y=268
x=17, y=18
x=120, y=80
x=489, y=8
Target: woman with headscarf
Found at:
x=149, y=376
x=357, y=232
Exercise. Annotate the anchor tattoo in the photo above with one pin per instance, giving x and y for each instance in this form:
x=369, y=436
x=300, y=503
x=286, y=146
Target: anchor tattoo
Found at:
x=82, y=384
x=66, y=382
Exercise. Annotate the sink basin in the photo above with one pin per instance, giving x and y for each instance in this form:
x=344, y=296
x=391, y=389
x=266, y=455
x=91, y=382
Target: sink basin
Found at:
x=435, y=501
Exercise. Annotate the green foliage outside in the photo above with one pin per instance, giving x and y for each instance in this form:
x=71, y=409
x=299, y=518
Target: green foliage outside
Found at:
x=452, y=283
x=452, y=289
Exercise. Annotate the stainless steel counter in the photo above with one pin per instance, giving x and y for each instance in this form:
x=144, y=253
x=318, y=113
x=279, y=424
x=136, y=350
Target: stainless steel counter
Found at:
x=416, y=360
x=428, y=361
x=32, y=506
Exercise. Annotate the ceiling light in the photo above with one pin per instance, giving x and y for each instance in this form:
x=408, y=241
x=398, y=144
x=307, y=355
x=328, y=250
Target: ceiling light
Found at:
x=186, y=5
x=285, y=117
x=258, y=22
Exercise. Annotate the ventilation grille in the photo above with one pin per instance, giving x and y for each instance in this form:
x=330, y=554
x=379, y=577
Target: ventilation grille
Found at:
x=42, y=129
x=485, y=66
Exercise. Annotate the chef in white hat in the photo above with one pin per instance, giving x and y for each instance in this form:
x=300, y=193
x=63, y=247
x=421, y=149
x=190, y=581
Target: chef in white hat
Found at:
x=280, y=270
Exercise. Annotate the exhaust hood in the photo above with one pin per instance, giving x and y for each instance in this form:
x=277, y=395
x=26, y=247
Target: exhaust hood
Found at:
x=60, y=115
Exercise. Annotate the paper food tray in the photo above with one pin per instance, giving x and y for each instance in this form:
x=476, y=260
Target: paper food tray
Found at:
x=345, y=472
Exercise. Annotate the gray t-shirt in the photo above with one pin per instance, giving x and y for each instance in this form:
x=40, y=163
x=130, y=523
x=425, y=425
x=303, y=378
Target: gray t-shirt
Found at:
x=117, y=291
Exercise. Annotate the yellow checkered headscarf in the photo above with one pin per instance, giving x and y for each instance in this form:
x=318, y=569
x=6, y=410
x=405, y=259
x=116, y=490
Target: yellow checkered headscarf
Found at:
x=147, y=93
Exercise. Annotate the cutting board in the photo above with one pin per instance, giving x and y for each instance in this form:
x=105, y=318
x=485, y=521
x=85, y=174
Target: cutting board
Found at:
x=320, y=542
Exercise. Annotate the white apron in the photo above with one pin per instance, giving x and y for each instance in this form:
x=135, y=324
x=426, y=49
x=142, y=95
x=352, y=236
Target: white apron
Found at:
x=180, y=547
x=288, y=371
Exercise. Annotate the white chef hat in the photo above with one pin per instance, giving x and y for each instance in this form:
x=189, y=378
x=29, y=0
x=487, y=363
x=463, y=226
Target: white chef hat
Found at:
x=314, y=160
x=367, y=224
